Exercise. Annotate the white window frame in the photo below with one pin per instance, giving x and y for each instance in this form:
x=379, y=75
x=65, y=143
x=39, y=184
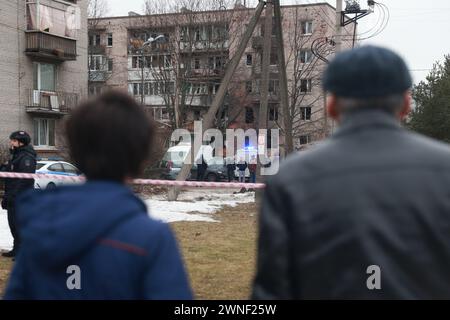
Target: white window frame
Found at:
x=98, y=65
x=109, y=36
x=36, y=140
x=38, y=76
x=304, y=113
x=306, y=56
x=307, y=26
x=308, y=86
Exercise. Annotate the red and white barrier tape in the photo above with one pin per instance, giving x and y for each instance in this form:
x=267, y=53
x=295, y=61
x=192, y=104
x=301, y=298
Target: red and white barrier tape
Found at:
x=196, y=184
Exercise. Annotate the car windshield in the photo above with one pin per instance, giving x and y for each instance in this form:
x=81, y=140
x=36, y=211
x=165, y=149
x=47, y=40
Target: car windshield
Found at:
x=39, y=165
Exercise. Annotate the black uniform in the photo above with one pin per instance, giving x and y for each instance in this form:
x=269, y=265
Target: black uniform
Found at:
x=201, y=169
x=23, y=159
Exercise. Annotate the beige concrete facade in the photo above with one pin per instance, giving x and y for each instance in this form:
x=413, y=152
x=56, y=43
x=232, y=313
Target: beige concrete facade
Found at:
x=43, y=58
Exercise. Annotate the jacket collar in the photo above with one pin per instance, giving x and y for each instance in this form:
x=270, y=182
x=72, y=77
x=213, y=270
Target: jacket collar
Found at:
x=365, y=120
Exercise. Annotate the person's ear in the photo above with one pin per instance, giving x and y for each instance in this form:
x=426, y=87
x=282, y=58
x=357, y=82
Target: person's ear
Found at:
x=332, y=107
x=406, y=107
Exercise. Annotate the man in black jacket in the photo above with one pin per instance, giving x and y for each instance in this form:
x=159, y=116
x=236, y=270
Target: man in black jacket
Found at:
x=366, y=215
x=23, y=159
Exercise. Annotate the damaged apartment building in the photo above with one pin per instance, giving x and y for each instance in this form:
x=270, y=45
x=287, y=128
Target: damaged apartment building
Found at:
x=43, y=58
x=173, y=64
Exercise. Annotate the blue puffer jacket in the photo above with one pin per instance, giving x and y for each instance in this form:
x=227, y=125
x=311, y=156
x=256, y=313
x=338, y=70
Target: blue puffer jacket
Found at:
x=102, y=228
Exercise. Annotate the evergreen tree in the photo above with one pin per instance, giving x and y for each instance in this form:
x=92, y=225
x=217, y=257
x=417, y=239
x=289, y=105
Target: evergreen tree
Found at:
x=431, y=115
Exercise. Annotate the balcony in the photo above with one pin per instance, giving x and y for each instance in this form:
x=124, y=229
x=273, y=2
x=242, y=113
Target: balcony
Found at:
x=50, y=103
x=46, y=45
x=98, y=75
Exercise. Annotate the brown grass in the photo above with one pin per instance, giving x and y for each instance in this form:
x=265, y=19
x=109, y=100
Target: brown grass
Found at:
x=220, y=257
x=5, y=269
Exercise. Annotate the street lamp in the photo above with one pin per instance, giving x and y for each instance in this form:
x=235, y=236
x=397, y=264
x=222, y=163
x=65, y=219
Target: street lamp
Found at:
x=145, y=44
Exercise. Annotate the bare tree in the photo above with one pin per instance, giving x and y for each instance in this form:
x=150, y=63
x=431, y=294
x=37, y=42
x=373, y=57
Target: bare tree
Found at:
x=98, y=63
x=186, y=68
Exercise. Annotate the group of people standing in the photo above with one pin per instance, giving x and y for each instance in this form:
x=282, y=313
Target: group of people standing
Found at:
x=241, y=165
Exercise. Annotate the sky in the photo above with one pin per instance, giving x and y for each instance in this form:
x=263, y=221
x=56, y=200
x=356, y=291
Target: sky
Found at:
x=417, y=29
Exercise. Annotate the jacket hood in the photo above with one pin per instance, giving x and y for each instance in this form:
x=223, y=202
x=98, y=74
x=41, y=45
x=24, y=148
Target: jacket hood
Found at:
x=59, y=225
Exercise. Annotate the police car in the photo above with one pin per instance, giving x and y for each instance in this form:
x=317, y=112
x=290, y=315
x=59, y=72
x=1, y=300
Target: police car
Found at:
x=56, y=168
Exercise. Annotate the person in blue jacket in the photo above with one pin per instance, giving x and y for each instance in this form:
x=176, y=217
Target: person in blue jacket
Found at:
x=96, y=240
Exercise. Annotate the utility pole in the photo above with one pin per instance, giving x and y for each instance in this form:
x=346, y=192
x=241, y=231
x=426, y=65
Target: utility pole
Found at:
x=208, y=119
x=338, y=26
x=284, y=96
x=264, y=87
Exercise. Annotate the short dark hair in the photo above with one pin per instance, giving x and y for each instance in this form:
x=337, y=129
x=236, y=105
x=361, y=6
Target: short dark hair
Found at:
x=390, y=104
x=109, y=137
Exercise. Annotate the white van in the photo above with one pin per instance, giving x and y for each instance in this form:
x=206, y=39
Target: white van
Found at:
x=175, y=156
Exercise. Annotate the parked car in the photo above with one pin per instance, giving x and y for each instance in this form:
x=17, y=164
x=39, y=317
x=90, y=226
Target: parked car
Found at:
x=55, y=168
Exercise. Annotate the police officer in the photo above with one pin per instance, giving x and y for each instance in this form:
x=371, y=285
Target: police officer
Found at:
x=23, y=159
x=365, y=215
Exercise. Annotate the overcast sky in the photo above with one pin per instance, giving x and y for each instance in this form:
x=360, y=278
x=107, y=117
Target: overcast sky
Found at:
x=417, y=29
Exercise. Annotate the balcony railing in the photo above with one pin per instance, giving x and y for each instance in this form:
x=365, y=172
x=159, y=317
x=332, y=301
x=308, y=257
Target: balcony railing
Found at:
x=46, y=45
x=98, y=75
x=48, y=102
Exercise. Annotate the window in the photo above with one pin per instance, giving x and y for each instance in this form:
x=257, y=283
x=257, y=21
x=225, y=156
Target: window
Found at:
x=95, y=63
x=94, y=90
x=307, y=27
x=248, y=86
x=274, y=86
x=70, y=169
x=197, y=34
x=215, y=62
x=44, y=76
x=197, y=115
x=44, y=132
x=57, y=167
x=94, y=40
x=305, y=85
x=196, y=63
x=110, y=40
x=136, y=62
x=305, y=113
x=249, y=59
x=273, y=59
x=249, y=115
x=305, y=56
x=273, y=111
x=110, y=65
x=136, y=89
x=198, y=88
x=304, y=140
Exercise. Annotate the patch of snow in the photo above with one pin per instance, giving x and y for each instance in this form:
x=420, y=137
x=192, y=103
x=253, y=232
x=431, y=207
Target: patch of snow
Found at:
x=192, y=205
x=6, y=239
x=203, y=202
